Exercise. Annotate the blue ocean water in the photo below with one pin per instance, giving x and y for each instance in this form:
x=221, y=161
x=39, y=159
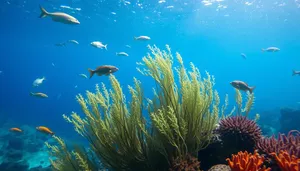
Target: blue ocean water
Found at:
x=212, y=34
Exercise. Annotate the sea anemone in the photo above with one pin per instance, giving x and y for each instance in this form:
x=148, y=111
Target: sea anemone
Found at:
x=189, y=163
x=289, y=143
x=239, y=132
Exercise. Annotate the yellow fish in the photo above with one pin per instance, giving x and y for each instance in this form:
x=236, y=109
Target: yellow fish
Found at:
x=45, y=130
x=15, y=130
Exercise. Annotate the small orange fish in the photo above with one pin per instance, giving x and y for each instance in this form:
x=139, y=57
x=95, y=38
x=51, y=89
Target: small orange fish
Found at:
x=15, y=130
x=45, y=130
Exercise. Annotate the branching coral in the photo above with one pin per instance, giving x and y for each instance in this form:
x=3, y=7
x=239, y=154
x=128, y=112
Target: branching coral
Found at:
x=289, y=143
x=286, y=161
x=245, y=161
x=183, y=117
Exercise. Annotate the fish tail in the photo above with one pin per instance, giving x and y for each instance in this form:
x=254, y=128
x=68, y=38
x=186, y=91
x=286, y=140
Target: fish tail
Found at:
x=105, y=47
x=44, y=13
x=91, y=72
x=135, y=38
x=251, y=89
x=31, y=94
x=294, y=73
x=262, y=50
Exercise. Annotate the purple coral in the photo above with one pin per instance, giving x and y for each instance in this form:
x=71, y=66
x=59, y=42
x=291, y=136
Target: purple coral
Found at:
x=290, y=143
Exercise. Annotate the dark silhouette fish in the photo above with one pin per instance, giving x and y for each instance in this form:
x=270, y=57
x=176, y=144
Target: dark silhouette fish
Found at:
x=103, y=70
x=240, y=85
x=296, y=73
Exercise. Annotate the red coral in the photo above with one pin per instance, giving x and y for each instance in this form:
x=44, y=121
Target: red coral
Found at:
x=287, y=162
x=245, y=161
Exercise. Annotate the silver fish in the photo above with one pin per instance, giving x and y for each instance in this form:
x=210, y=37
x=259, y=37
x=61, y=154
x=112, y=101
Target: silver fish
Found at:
x=271, y=49
x=59, y=17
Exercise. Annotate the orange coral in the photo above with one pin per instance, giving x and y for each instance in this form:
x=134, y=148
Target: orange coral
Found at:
x=245, y=161
x=286, y=162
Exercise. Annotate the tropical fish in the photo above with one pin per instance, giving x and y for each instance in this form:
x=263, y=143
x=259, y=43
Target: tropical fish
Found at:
x=83, y=75
x=103, y=70
x=41, y=95
x=45, y=130
x=73, y=41
x=99, y=45
x=127, y=46
x=59, y=17
x=296, y=73
x=37, y=82
x=271, y=49
x=142, y=38
x=243, y=55
x=121, y=54
x=15, y=130
x=240, y=85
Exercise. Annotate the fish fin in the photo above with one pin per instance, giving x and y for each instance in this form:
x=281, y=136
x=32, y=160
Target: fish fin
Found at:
x=251, y=89
x=91, y=72
x=105, y=47
x=263, y=50
x=294, y=73
x=44, y=13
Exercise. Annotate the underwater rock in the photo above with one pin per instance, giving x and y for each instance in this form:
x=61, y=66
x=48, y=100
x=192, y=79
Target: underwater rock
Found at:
x=13, y=166
x=289, y=120
x=14, y=155
x=15, y=143
x=220, y=167
x=40, y=168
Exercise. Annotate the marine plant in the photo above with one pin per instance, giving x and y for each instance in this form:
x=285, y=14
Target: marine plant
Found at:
x=183, y=116
x=244, y=161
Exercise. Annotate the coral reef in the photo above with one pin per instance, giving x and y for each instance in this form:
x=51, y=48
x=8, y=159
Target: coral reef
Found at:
x=189, y=163
x=286, y=161
x=245, y=161
x=182, y=120
x=289, y=120
x=220, y=167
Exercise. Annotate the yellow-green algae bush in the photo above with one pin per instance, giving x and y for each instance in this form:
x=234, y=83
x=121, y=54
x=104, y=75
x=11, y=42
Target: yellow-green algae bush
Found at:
x=183, y=115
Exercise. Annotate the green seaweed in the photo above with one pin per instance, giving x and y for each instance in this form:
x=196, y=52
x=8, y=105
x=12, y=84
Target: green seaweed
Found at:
x=183, y=116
